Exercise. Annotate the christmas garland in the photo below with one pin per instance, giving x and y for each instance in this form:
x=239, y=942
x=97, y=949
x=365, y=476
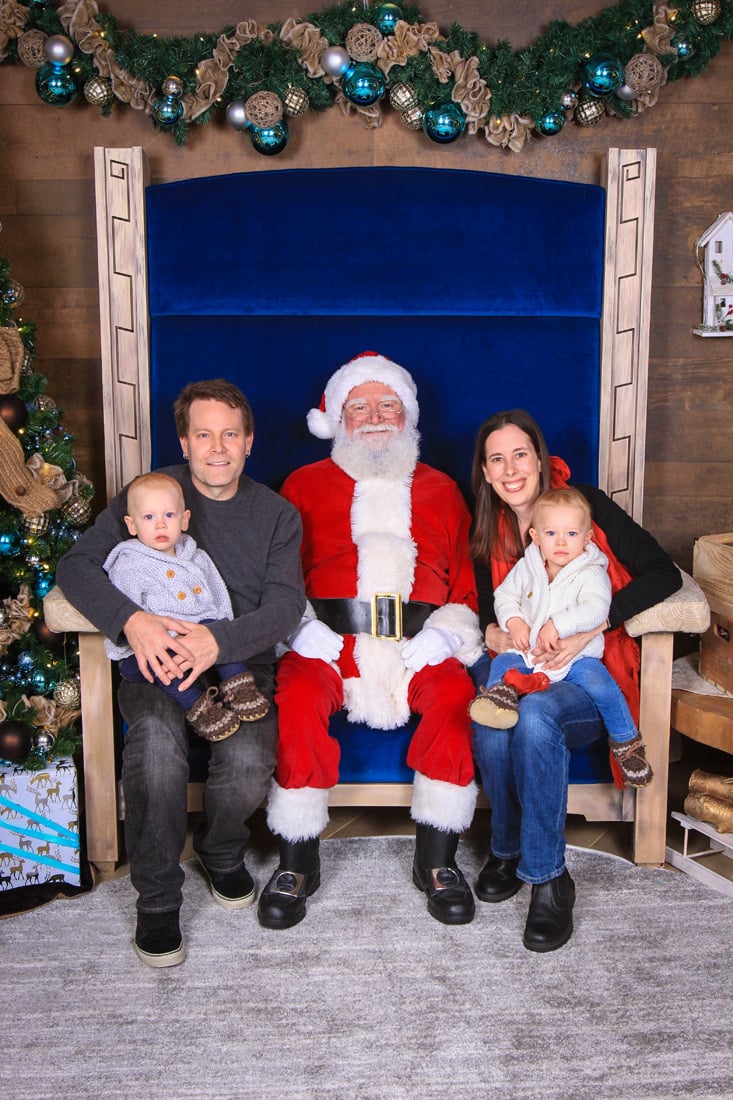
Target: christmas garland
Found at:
x=45, y=502
x=356, y=55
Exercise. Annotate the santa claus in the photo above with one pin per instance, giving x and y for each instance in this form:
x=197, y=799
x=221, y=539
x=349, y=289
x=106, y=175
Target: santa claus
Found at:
x=390, y=626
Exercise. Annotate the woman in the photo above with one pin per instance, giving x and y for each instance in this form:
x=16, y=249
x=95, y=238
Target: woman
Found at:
x=525, y=768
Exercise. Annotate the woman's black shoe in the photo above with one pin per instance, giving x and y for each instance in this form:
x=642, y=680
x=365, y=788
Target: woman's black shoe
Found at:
x=498, y=880
x=550, y=918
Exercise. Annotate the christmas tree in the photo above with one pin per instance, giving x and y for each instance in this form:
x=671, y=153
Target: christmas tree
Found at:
x=44, y=506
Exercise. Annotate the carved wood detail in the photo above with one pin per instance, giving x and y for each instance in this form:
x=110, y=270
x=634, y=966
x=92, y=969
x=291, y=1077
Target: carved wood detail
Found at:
x=120, y=179
x=630, y=183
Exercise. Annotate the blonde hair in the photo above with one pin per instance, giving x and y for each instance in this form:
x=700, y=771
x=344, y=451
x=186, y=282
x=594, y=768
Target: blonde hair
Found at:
x=562, y=498
x=155, y=481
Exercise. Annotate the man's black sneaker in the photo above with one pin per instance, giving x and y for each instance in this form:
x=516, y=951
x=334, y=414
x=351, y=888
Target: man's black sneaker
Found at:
x=232, y=889
x=158, y=940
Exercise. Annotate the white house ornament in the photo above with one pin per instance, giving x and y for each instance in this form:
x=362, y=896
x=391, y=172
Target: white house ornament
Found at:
x=714, y=253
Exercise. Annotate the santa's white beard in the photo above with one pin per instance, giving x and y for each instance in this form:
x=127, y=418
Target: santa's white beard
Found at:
x=392, y=457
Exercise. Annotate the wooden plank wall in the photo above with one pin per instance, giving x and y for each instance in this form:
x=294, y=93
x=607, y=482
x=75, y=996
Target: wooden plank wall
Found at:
x=48, y=227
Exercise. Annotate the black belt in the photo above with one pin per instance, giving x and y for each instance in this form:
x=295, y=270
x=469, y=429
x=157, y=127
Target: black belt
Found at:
x=385, y=616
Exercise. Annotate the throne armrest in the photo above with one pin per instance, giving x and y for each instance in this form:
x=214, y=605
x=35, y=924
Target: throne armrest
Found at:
x=61, y=617
x=686, y=610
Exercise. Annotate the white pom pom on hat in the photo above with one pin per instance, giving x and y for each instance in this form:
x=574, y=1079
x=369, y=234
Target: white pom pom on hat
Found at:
x=369, y=366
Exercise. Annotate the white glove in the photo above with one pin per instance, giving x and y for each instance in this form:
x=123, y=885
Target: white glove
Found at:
x=431, y=646
x=315, y=639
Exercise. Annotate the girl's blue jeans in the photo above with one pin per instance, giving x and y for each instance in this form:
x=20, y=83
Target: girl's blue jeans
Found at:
x=593, y=677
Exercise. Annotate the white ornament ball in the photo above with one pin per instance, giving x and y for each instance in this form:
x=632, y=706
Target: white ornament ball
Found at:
x=335, y=61
x=59, y=48
x=626, y=93
x=236, y=115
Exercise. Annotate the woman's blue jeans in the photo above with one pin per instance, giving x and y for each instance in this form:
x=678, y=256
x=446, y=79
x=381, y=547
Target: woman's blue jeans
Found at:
x=155, y=773
x=525, y=775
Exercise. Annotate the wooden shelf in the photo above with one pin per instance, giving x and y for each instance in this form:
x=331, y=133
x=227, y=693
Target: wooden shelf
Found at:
x=704, y=718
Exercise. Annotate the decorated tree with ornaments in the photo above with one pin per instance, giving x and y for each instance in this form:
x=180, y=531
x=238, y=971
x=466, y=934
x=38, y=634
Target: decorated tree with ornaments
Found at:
x=44, y=505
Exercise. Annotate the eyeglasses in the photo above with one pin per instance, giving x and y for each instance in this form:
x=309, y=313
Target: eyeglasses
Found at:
x=388, y=408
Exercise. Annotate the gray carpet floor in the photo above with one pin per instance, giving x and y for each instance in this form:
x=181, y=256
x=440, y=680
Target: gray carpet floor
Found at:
x=369, y=998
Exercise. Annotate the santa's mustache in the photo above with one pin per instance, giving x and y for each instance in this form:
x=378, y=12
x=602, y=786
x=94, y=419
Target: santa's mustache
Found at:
x=366, y=429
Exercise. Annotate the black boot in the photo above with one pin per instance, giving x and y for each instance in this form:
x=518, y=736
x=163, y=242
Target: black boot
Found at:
x=282, y=902
x=434, y=871
x=498, y=880
x=550, y=918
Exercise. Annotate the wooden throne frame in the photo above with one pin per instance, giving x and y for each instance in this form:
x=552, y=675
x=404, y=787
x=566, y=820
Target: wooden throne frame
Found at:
x=121, y=178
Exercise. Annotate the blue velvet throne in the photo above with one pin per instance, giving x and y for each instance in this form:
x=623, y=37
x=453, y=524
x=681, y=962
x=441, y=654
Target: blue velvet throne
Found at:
x=493, y=291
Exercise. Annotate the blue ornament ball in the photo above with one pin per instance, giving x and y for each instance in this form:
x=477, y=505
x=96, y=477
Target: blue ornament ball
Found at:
x=444, y=122
x=43, y=584
x=269, y=140
x=167, y=110
x=8, y=542
x=41, y=680
x=55, y=84
x=26, y=660
x=363, y=83
x=603, y=74
x=550, y=123
x=683, y=46
x=386, y=17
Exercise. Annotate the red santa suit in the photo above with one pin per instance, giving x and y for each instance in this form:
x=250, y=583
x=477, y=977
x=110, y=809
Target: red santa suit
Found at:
x=377, y=535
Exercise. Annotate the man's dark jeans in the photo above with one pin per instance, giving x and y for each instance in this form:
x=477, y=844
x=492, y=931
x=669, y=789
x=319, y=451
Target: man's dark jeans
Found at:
x=155, y=771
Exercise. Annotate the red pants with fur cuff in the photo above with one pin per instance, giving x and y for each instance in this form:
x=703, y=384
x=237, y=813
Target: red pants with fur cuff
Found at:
x=310, y=691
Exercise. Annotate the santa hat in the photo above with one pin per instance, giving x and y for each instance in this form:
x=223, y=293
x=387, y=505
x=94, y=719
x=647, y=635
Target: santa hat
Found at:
x=367, y=367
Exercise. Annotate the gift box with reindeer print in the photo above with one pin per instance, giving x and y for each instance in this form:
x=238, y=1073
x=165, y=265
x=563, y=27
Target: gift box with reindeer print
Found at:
x=39, y=825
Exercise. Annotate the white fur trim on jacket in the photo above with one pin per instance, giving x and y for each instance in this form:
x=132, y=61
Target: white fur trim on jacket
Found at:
x=461, y=620
x=297, y=813
x=378, y=696
x=444, y=805
x=381, y=518
x=365, y=368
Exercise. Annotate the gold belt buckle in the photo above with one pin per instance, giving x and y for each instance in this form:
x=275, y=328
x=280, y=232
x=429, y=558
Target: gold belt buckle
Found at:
x=386, y=605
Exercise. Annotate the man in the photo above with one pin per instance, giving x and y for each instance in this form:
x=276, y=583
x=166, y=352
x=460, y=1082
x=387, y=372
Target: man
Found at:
x=376, y=521
x=253, y=537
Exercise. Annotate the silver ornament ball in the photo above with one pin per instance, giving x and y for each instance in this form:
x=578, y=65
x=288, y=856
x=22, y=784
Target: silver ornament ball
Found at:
x=335, y=61
x=67, y=694
x=296, y=101
x=59, y=48
x=626, y=93
x=172, y=86
x=236, y=115
x=412, y=117
x=706, y=11
x=43, y=740
x=98, y=92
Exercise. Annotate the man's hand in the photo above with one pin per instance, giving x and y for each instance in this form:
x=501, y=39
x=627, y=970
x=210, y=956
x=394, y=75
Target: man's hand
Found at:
x=431, y=646
x=316, y=640
x=167, y=658
x=497, y=640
